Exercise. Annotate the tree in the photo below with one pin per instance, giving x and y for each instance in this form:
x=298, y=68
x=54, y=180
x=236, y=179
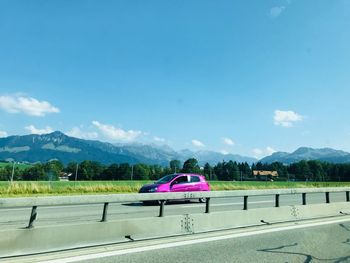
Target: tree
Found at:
x=35, y=173
x=157, y=171
x=71, y=169
x=53, y=169
x=90, y=170
x=191, y=166
x=219, y=171
x=259, y=166
x=6, y=172
x=245, y=170
x=111, y=172
x=316, y=170
x=175, y=166
x=141, y=172
x=125, y=171
x=303, y=170
x=208, y=171
x=281, y=170
x=231, y=171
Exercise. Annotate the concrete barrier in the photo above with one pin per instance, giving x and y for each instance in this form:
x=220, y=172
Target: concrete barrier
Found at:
x=53, y=238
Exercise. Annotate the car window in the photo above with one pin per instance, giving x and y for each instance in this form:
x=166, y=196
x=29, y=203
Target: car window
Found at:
x=195, y=179
x=166, y=179
x=181, y=180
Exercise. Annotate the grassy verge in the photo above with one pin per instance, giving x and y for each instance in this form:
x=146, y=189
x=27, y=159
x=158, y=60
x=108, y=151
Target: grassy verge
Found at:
x=18, y=189
x=220, y=186
x=68, y=188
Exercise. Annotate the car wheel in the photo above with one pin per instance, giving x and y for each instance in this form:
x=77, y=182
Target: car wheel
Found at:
x=202, y=200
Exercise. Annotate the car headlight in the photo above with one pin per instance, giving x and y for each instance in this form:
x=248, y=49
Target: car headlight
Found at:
x=153, y=189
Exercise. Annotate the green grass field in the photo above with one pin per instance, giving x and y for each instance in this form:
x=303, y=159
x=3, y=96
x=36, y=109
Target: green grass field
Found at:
x=21, y=166
x=17, y=189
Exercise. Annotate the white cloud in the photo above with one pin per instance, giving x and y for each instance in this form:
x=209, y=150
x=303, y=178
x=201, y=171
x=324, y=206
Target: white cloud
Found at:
x=228, y=141
x=224, y=152
x=3, y=134
x=259, y=153
x=276, y=11
x=116, y=134
x=269, y=150
x=158, y=139
x=33, y=130
x=197, y=143
x=78, y=133
x=286, y=118
x=26, y=105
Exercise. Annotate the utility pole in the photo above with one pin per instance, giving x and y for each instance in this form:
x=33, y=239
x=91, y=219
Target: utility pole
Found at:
x=13, y=171
x=132, y=172
x=76, y=172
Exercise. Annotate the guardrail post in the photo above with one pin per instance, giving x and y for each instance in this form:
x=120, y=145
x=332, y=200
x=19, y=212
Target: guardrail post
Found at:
x=207, y=208
x=33, y=215
x=245, y=202
x=304, y=198
x=347, y=196
x=277, y=200
x=104, y=215
x=327, y=198
x=161, y=208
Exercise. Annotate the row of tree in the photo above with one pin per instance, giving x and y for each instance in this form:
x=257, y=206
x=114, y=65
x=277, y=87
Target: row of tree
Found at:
x=222, y=171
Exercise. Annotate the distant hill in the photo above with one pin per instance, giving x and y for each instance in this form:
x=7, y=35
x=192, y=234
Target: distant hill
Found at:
x=42, y=148
x=215, y=157
x=56, y=145
x=305, y=153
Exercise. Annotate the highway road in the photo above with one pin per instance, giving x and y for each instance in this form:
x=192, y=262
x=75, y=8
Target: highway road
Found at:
x=18, y=217
x=326, y=240
x=324, y=243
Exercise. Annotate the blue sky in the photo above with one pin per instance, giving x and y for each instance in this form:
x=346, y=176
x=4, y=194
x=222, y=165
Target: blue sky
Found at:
x=245, y=77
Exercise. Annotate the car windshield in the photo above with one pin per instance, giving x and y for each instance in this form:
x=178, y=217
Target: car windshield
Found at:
x=166, y=179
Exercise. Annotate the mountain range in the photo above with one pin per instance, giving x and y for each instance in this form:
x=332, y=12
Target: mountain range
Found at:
x=306, y=153
x=42, y=148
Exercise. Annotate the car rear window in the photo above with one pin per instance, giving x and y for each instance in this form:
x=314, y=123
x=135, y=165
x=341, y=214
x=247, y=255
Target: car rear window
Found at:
x=195, y=179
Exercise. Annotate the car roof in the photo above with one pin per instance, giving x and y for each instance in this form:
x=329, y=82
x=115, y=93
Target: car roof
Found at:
x=189, y=174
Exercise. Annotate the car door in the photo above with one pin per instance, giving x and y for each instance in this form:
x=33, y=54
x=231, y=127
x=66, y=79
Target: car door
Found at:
x=194, y=184
x=179, y=184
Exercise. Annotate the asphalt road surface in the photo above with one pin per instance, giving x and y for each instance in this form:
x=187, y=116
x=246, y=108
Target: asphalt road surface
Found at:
x=325, y=243
x=18, y=217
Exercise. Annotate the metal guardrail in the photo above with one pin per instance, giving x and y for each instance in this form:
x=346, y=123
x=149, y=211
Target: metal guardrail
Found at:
x=34, y=202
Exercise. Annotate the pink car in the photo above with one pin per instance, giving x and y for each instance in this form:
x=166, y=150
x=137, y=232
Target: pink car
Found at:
x=178, y=183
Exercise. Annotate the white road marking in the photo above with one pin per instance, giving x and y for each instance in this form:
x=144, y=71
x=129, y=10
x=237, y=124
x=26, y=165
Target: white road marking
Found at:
x=191, y=242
